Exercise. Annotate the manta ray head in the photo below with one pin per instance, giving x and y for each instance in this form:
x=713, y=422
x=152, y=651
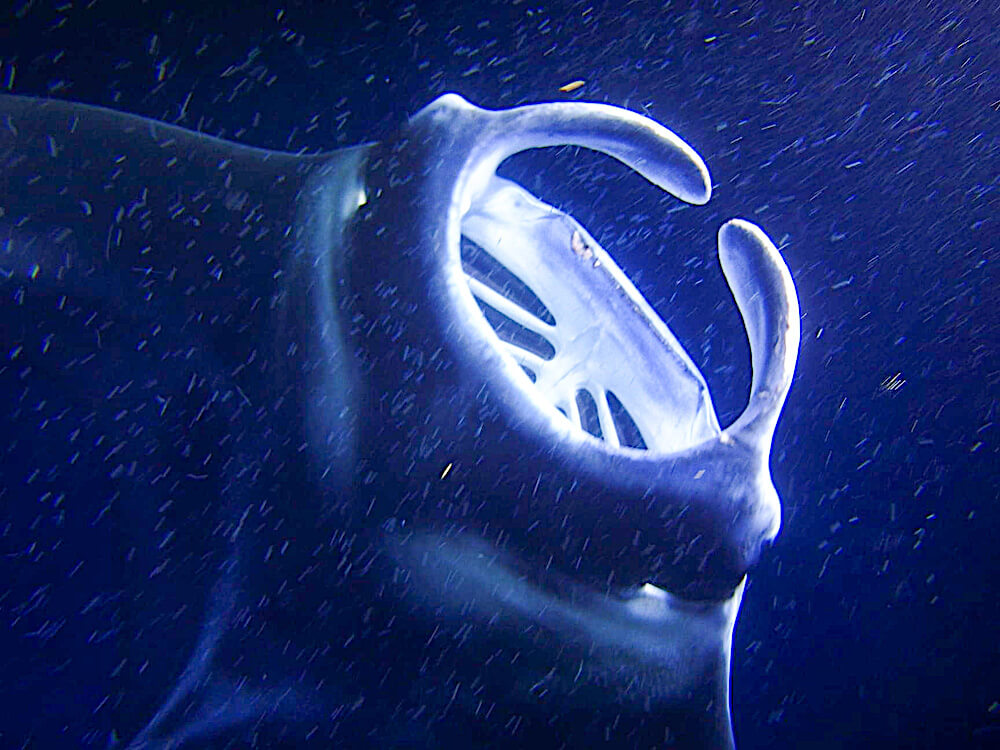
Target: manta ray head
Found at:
x=535, y=462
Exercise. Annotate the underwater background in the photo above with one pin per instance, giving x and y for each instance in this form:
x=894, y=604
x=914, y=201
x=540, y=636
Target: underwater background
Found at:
x=863, y=137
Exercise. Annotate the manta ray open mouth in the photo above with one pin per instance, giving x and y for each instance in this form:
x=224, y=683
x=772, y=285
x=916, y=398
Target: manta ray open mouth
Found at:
x=564, y=413
x=564, y=353
x=566, y=321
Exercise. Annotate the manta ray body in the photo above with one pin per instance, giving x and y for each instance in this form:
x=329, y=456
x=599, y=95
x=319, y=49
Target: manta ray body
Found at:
x=367, y=449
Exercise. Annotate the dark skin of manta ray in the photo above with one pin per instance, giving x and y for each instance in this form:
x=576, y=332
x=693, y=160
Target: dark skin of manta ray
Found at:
x=173, y=503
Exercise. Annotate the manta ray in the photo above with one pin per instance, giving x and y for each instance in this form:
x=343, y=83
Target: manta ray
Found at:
x=370, y=448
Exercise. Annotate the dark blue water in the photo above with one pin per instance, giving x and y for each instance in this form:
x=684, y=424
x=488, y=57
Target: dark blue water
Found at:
x=863, y=138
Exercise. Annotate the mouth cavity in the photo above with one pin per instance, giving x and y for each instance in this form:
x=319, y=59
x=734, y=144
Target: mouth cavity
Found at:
x=530, y=334
x=593, y=349
x=602, y=407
